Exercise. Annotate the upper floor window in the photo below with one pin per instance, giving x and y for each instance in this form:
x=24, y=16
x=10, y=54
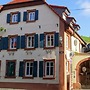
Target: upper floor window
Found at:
x=13, y=17
x=30, y=41
x=14, y=42
x=30, y=15
x=50, y=40
x=67, y=41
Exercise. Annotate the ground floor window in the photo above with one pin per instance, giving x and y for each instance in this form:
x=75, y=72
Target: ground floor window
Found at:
x=10, y=68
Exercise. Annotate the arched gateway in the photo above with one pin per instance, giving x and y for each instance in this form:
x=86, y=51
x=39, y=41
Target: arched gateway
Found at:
x=83, y=73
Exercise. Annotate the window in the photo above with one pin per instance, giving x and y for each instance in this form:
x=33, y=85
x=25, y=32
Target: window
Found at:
x=12, y=42
x=49, y=68
x=50, y=40
x=13, y=17
x=29, y=69
x=30, y=15
x=30, y=41
x=67, y=41
x=10, y=68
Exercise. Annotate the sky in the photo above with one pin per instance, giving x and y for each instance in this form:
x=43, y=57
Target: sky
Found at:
x=80, y=10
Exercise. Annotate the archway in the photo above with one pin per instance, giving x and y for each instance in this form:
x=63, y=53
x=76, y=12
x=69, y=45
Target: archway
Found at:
x=83, y=73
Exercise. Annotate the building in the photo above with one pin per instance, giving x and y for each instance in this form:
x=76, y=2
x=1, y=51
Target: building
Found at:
x=36, y=45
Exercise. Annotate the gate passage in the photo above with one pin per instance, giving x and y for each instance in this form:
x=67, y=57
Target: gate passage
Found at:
x=84, y=74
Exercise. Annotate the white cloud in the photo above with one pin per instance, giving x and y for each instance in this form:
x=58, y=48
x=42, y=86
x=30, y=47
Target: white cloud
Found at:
x=84, y=6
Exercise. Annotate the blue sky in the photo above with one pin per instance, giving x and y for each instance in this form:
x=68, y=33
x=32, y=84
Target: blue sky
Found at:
x=82, y=16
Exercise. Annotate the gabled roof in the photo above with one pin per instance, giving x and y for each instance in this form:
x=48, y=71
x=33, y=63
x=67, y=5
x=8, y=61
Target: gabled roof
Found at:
x=60, y=9
x=18, y=1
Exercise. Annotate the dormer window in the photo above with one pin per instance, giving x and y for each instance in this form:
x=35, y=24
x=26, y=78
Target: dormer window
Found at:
x=64, y=16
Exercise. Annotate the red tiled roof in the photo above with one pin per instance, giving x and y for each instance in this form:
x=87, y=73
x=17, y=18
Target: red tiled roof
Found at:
x=18, y=1
x=1, y=7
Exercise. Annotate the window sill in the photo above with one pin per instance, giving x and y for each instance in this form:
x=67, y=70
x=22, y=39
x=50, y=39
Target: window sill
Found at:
x=10, y=76
x=50, y=78
x=49, y=47
x=30, y=21
x=29, y=49
x=13, y=23
x=12, y=50
x=27, y=77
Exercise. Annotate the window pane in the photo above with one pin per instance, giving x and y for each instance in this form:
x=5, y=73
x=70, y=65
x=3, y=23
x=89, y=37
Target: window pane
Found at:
x=32, y=16
x=31, y=70
x=51, y=71
x=51, y=64
x=27, y=72
x=47, y=71
x=14, y=17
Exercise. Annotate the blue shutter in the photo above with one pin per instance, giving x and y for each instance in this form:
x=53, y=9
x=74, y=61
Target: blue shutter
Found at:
x=56, y=39
x=36, y=41
x=23, y=42
x=25, y=16
x=36, y=15
x=8, y=18
x=0, y=43
x=41, y=40
x=35, y=69
x=21, y=68
x=18, y=42
x=19, y=16
x=4, y=43
x=40, y=68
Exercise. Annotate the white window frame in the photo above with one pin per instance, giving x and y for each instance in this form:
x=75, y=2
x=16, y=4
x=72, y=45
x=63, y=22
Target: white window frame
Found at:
x=14, y=18
x=31, y=42
x=12, y=42
x=49, y=68
x=31, y=16
x=67, y=41
x=30, y=75
x=50, y=40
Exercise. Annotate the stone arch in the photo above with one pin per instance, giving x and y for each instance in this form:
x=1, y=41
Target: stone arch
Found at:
x=78, y=70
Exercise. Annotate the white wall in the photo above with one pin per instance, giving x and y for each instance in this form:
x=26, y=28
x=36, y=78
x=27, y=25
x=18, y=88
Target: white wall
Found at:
x=48, y=21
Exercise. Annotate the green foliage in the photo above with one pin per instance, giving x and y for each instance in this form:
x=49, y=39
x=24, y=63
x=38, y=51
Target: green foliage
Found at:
x=86, y=39
x=2, y=29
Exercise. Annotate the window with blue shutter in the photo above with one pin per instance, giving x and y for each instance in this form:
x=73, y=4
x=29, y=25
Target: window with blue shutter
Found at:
x=8, y=18
x=56, y=39
x=42, y=40
x=35, y=69
x=25, y=16
x=36, y=41
x=19, y=16
x=18, y=42
x=41, y=68
x=14, y=17
x=21, y=68
x=36, y=15
x=4, y=43
x=0, y=43
x=23, y=44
